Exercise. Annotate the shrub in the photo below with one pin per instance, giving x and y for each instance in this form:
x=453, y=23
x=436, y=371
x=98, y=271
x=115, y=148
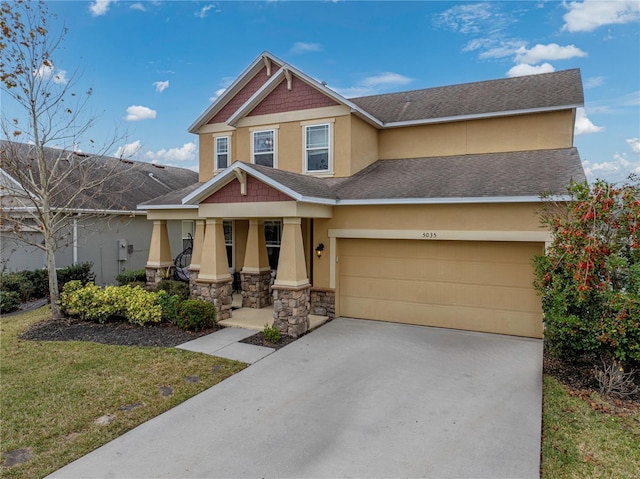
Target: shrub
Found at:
x=173, y=287
x=169, y=305
x=271, y=334
x=40, y=280
x=195, y=314
x=589, y=279
x=92, y=303
x=132, y=276
x=81, y=272
x=9, y=301
x=17, y=283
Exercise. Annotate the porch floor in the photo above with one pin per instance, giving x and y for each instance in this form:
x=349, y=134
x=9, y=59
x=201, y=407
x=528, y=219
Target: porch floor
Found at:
x=251, y=318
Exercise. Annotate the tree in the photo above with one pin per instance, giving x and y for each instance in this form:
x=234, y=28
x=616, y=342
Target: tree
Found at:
x=589, y=278
x=45, y=186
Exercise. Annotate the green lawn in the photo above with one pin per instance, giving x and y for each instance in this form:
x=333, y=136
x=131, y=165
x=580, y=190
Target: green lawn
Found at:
x=53, y=392
x=581, y=441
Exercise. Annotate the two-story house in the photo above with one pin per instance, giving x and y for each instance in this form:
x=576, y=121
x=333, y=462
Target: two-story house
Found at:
x=417, y=207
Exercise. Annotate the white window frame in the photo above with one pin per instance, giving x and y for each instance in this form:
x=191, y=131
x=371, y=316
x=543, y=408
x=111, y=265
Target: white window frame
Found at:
x=329, y=147
x=274, y=150
x=216, y=165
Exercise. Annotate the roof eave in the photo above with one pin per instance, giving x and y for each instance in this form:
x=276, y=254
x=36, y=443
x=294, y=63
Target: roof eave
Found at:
x=450, y=200
x=477, y=116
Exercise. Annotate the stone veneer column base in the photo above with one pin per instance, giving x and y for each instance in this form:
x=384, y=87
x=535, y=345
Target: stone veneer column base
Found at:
x=323, y=302
x=256, y=289
x=193, y=277
x=216, y=292
x=291, y=309
x=155, y=274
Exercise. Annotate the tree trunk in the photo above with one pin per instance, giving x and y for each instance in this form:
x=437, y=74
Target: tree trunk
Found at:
x=54, y=294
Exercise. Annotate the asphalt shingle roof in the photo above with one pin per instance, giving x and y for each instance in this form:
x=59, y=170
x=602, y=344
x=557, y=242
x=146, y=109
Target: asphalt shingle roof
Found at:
x=547, y=90
x=125, y=183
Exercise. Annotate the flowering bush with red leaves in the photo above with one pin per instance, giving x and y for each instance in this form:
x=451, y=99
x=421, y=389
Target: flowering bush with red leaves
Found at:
x=589, y=279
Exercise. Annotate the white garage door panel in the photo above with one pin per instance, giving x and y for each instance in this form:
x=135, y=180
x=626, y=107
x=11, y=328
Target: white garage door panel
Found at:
x=480, y=286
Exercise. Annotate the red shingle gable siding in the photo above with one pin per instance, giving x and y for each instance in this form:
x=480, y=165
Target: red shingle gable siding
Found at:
x=243, y=95
x=300, y=97
x=257, y=192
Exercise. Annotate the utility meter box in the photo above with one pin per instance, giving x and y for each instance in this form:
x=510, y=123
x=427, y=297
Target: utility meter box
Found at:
x=123, y=252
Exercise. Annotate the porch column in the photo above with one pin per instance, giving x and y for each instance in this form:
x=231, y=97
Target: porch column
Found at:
x=291, y=288
x=256, y=272
x=196, y=254
x=214, y=283
x=159, y=263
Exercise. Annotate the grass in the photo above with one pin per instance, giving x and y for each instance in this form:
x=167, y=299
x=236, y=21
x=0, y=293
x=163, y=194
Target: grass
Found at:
x=53, y=392
x=580, y=440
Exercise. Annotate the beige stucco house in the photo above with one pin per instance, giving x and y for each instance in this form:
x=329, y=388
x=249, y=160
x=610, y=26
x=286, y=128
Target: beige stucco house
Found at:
x=416, y=207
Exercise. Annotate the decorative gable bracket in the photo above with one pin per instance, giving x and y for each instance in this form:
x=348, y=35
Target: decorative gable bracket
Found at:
x=242, y=178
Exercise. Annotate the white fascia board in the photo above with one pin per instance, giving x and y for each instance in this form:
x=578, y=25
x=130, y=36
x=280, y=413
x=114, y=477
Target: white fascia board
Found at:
x=231, y=90
x=79, y=211
x=478, y=116
x=460, y=200
x=167, y=207
x=18, y=186
x=257, y=97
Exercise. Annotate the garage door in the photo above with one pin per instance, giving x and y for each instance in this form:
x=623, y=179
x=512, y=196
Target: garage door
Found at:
x=477, y=286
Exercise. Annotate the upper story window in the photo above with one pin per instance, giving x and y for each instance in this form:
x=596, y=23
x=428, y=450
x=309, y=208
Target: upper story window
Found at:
x=317, y=148
x=264, y=148
x=221, y=160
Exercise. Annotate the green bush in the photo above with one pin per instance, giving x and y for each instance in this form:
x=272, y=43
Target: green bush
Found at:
x=271, y=334
x=195, y=314
x=17, y=283
x=132, y=276
x=80, y=272
x=40, y=280
x=9, y=301
x=173, y=287
x=92, y=303
x=169, y=305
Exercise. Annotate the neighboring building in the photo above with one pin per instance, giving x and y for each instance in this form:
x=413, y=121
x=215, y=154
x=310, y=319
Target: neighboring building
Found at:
x=417, y=207
x=103, y=226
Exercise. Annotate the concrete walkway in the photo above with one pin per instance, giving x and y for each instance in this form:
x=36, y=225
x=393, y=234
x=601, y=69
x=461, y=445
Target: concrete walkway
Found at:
x=351, y=399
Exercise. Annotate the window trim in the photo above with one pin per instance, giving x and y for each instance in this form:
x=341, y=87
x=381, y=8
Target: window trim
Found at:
x=329, y=147
x=216, y=166
x=273, y=130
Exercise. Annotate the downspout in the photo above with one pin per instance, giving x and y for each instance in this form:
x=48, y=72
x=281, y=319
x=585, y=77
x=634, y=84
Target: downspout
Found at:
x=75, y=240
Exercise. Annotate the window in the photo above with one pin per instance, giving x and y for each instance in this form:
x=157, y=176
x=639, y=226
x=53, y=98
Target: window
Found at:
x=317, y=148
x=188, y=228
x=227, y=225
x=222, y=153
x=264, y=148
x=273, y=237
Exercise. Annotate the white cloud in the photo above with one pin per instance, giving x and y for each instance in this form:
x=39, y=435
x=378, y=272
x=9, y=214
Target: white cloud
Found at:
x=202, y=13
x=138, y=6
x=615, y=170
x=591, y=14
x=583, y=125
x=137, y=113
x=594, y=82
x=46, y=72
x=634, y=144
x=217, y=93
x=465, y=18
x=495, y=49
x=100, y=7
x=386, y=79
x=552, y=51
x=186, y=152
x=303, y=47
x=161, y=85
x=128, y=150
x=525, y=69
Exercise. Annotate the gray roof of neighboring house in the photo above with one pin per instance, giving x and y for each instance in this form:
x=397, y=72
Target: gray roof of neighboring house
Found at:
x=126, y=183
x=173, y=198
x=532, y=92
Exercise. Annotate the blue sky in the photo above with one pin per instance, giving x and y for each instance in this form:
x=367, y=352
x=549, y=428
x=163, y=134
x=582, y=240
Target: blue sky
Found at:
x=155, y=66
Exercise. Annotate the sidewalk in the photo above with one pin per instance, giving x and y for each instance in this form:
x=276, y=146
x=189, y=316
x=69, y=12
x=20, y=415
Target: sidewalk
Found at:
x=225, y=344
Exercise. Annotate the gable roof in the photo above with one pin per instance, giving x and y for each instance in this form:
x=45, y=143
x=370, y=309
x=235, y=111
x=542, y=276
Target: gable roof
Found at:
x=506, y=96
x=519, y=176
x=503, y=97
x=125, y=183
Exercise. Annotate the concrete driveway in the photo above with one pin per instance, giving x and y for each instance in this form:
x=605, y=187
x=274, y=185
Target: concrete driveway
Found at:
x=352, y=399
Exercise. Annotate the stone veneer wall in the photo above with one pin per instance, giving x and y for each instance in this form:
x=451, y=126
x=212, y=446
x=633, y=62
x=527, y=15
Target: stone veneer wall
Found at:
x=216, y=292
x=291, y=309
x=155, y=275
x=323, y=302
x=256, y=289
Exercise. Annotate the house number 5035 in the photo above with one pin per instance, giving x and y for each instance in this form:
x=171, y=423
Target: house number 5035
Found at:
x=429, y=235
